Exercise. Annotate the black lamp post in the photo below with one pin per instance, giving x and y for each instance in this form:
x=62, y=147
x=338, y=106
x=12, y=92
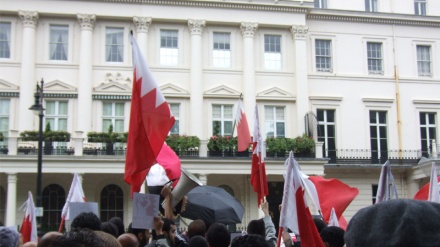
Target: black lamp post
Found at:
x=38, y=109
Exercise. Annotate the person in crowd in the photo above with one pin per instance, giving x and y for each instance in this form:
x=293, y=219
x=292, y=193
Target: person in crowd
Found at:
x=110, y=228
x=198, y=241
x=108, y=239
x=395, y=223
x=128, y=240
x=8, y=237
x=163, y=233
x=319, y=222
x=143, y=235
x=48, y=238
x=196, y=228
x=178, y=240
x=332, y=236
x=218, y=235
x=64, y=241
x=264, y=227
x=30, y=244
x=249, y=240
x=87, y=220
x=78, y=237
x=119, y=224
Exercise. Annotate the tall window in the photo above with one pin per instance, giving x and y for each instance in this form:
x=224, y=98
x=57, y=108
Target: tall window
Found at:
x=427, y=131
x=175, y=109
x=274, y=121
x=5, y=40
x=374, y=53
x=378, y=136
x=272, y=51
x=4, y=118
x=169, y=50
x=221, y=53
x=112, y=203
x=420, y=7
x=371, y=5
x=424, y=60
x=114, y=44
x=323, y=53
x=58, y=44
x=53, y=199
x=222, y=120
x=321, y=4
x=113, y=114
x=327, y=131
x=56, y=115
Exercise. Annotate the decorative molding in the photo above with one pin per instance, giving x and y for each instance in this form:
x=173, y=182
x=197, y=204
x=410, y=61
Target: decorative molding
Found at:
x=58, y=86
x=326, y=98
x=426, y=102
x=7, y=86
x=142, y=24
x=196, y=26
x=248, y=29
x=299, y=31
x=86, y=21
x=378, y=100
x=113, y=87
x=117, y=77
x=221, y=92
x=171, y=90
x=60, y=95
x=275, y=93
x=111, y=97
x=29, y=18
x=10, y=94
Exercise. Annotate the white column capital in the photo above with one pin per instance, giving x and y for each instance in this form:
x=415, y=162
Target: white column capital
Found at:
x=86, y=21
x=248, y=29
x=203, y=178
x=12, y=177
x=142, y=24
x=299, y=31
x=29, y=18
x=196, y=26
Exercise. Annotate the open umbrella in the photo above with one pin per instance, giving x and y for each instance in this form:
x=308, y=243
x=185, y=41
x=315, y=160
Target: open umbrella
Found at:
x=212, y=205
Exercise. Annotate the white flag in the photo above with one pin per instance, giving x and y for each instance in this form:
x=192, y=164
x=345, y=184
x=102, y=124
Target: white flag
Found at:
x=76, y=194
x=333, y=219
x=387, y=188
x=434, y=188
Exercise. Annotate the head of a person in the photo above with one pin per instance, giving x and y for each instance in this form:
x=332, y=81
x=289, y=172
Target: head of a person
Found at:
x=87, y=220
x=85, y=237
x=8, y=237
x=319, y=222
x=249, y=240
x=110, y=228
x=108, y=239
x=397, y=222
x=169, y=229
x=196, y=228
x=256, y=227
x=48, y=238
x=197, y=241
x=128, y=240
x=64, y=241
x=142, y=235
x=30, y=244
x=333, y=236
x=218, y=235
x=119, y=224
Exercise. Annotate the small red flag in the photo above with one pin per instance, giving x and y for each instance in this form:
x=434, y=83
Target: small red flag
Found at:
x=243, y=134
x=29, y=226
x=258, y=172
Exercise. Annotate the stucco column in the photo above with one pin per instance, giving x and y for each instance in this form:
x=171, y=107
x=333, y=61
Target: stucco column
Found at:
x=248, y=30
x=13, y=142
x=78, y=141
x=299, y=34
x=142, y=26
x=11, y=205
x=28, y=81
x=84, y=119
x=196, y=85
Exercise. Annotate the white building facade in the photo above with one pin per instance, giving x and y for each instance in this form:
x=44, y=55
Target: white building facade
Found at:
x=368, y=72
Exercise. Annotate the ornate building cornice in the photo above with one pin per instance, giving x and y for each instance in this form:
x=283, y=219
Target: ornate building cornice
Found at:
x=299, y=31
x=196, y=26
x=86, y=21
x=29, y=18
x=142, y=24
x=248, y=29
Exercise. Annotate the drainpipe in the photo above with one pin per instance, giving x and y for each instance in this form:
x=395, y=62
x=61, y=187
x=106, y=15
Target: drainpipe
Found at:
x=397, y=91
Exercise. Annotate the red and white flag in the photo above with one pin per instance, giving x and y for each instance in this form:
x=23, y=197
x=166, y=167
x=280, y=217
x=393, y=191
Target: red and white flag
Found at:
x=150, y=121
x=167, y=168
x=243, y=134
x=76, y=194
x=29, y=226
x=258, y=171
x=428, y=191
x=295, y=213
x=386, y=190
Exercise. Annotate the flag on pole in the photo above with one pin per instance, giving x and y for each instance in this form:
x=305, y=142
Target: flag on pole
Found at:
x=386, y=189
x=243, y=134
x=167, y=168
x=427, y=192
x=76, y=194
x=150, y=121
x=258, y=172
x=295, y=213
x=333, y=219
x=29, y=226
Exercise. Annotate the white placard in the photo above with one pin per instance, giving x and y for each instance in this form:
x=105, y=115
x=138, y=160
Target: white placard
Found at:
x=39, y=211
x=75, y=208
x=145, y=207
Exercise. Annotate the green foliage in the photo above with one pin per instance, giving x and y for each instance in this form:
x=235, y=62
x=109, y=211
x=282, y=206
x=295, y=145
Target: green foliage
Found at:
x=220, y=143
x=47, y=127
x=107, y=137
x=300, y=144
x=48, y=135
x=1, y=137
x=183, y=142
x=304, y=144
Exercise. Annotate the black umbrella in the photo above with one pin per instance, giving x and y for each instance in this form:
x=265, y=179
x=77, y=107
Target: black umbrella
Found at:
x=212, y=205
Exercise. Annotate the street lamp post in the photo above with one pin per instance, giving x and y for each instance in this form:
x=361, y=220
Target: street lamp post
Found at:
x=38, y=109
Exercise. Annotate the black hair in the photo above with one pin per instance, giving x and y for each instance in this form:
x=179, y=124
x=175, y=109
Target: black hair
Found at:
x=110, y=228
x=250, y=240
x=218, y=235
x=87, y=220
x=256, y=227
x=119, y=224
x=333, y=235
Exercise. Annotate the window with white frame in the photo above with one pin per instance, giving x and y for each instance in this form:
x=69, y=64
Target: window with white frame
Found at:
x=323, y=55
x=428, y=131
x=371, y=5
x=169, y=49
x=274, y=121
x=4, y=117
x=378, y=136
x=327, y=131
x=375, y=59
x=221, y=52
x=58, y=42
x=424, y=60
x=114, y=44
x=56, y=115
x=420, y=7
x=175, y=109
x=272, y=51
x=5, y=40
x=113, y=114
x=222, y=120
x=321, y=4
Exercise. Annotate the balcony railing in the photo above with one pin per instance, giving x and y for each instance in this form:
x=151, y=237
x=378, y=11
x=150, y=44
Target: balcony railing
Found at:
x=363, y=156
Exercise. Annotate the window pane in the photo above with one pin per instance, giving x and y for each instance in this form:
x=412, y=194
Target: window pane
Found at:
x=119, y=109
x=50, y=108
x=5, y=40
x=228, y=111
x=62, y=108
x=107, y=109
x=228, y=128
x=216, y=111
x=58, y=42
x=280, y=130
x=114, y=45
x=106, y=124
x=62, y=124
x=119, y=126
